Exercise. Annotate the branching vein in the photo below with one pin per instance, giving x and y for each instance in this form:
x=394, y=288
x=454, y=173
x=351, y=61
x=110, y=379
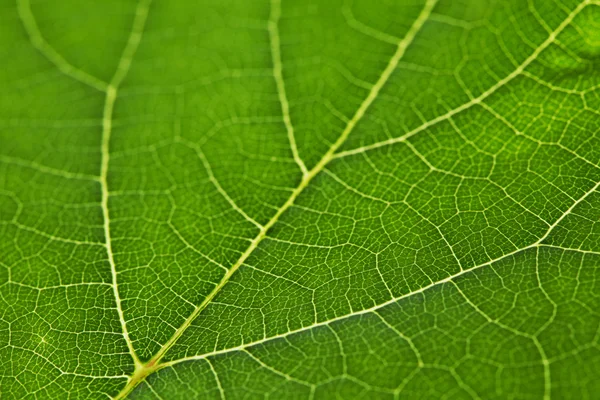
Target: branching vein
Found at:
x=278, y=72
x=402, y=45
x=449, y=279
x=109, y=104
x=476, y=100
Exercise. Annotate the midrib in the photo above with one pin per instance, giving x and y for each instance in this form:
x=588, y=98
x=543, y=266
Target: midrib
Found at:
x=143, y=370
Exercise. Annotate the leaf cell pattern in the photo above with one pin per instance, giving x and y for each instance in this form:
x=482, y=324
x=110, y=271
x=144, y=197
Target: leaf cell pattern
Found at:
x=300, y=199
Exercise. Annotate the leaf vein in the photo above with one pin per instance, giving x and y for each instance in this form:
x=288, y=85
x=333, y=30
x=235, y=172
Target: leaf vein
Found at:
x=111, y=95
x=402, y=45
x=477, y=100
x=38, y=41
x=449, y=279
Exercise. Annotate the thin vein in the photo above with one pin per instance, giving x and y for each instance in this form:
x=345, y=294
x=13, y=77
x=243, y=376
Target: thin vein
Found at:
x=346, y=316
x=274, y=370
x=477, y=100
x=46, y=169
x=543, y=359
x=111, y=95
x=278, y=72
x=449, y=279
x=582, y=251
x=51, y=236
x=215, y=182
x=154, y=392
x=385, y=75
x=38, y=41
x=217, y=380
x=365, y=29
x=407, y=339
x=539, y=142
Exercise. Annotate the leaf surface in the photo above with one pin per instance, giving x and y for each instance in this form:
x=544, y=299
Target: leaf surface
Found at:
x=300, y=199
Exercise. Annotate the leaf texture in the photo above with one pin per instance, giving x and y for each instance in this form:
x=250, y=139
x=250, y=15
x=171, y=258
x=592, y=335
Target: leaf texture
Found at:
x=300, y=199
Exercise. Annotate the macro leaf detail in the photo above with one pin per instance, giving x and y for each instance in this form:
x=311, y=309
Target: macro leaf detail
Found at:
x=300, y=199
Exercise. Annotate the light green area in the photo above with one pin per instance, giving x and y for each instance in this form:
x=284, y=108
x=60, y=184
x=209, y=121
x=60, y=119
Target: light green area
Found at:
x=317, y=199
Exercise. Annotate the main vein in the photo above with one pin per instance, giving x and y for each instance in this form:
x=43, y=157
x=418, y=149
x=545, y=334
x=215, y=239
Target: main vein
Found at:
x=451, y=278
x=109, y=104
x=306, y=179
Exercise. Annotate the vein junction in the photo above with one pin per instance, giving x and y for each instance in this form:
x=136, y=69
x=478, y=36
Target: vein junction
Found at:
x=111, y=89
x=111, y=96
x=402, y=45
x=155, y=363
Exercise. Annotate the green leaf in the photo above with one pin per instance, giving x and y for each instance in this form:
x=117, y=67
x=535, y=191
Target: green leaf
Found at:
x=300, y=199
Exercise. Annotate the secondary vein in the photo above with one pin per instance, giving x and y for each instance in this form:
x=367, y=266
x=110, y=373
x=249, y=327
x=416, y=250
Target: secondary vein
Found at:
x=374, y=92
x=474, y=100
x=449, y=279
x=278, y=72
x=38, y=41
x=109, y=104
x=154, y=364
